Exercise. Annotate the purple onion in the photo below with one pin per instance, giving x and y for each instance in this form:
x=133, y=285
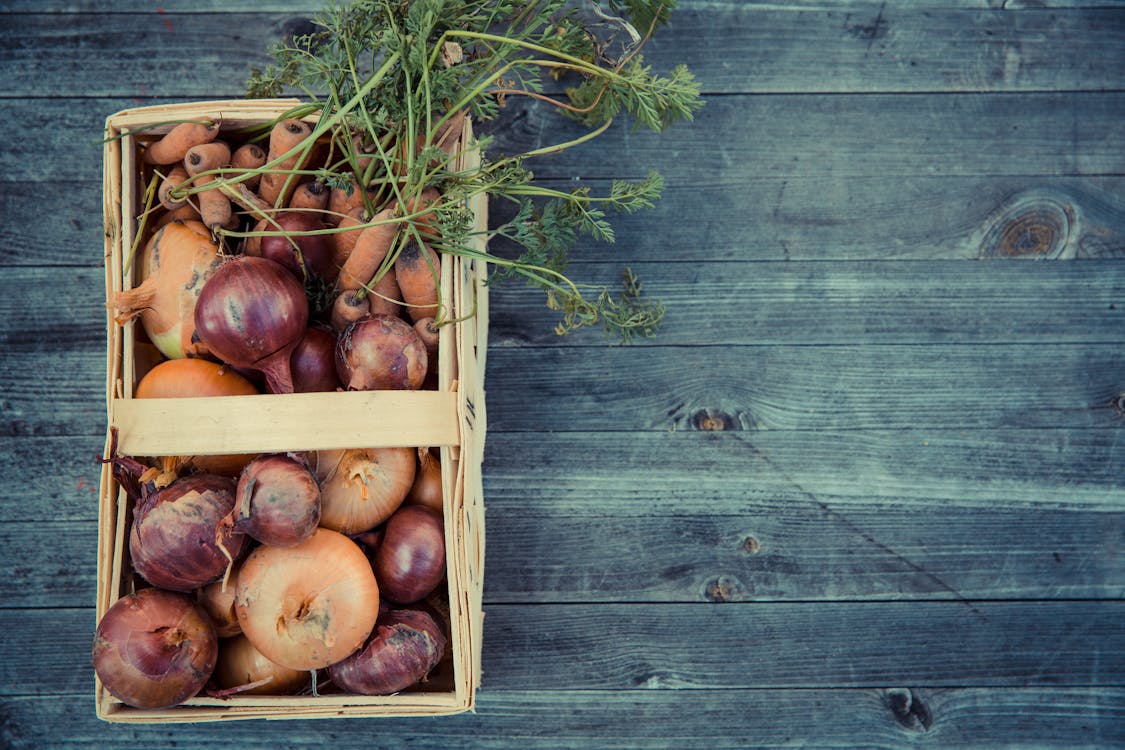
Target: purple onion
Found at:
x=404, y=647
x=277, y=501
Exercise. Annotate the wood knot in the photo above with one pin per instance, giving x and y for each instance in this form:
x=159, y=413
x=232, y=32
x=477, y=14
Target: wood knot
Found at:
x=908, y=709
x=713, y=420
x=1119, y=404
x=1032, y=225
x=723, y=589
x=751, y=546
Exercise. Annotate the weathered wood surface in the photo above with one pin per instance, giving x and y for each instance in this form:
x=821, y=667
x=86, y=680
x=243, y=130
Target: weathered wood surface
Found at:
x=867, y=487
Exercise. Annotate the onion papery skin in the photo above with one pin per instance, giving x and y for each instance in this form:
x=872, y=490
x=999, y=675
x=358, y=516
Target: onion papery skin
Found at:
x=313, y=362
x=406, y=645
x=178, y=533
x=154, y=649
x=277, y=501
x=361, y=488
x=217, y=602
x=199, y=378
x=381, y=352
x=308, y=606
x=426, y=490
x=316, y=250
x=410, y=560
x=241, y=664
x=251, y=313
x=175, y=265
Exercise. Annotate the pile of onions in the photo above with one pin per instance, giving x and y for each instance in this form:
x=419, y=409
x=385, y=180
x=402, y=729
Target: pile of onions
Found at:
x=277, y=501
x=410, y=559
x=179, y=540
x=154, y=649
x=361, y=488
x=242, y=668
x=308, y=606
x=175, y=265
x=406, y=645
x=251, y=313
x=197, y=378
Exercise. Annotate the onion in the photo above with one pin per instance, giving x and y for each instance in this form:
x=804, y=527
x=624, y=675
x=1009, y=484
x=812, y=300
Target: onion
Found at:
x=277, y=501
x=251, y=313
x=241, y=664
x=301, y=253
x=178, y=540
x=154, y=649
x=308, y=606
x=313, y=362
x=361, y=488
x=217, y=601
x=410, y=561
x=406, y=645
x=193, y=378
x=427, y=482
x=174, y=266
x=380, y=352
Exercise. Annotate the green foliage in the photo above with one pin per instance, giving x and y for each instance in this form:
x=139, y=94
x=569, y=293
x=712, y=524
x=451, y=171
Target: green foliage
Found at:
x=394, y=73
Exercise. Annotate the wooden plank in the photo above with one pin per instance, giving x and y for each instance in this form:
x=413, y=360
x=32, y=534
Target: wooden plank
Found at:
x=751, y=218
x=184, y=7
x=885, y=136
x=955, y=386
x=695, y=646
x=730, y=48
x=894, y=717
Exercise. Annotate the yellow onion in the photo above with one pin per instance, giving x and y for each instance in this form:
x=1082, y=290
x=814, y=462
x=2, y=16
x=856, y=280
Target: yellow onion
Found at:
x=174, y=265
x=361, y=488
x=240, y=664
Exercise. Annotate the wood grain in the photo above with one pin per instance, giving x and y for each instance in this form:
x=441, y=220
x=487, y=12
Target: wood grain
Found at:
x=889, y=718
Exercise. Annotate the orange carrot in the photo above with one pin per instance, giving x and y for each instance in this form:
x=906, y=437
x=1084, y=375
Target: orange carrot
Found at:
x=247, y=158
x=342, y=202
x=343, y=242
x=285, y=136
x=173, y=179
x=214, y=206
x=348, y=308
x=185, y=212
x=425, y=222
x=428, y=332
x=172, y=147
x=371, y=247
x=417, y=270
x=310, y=195
x=385, y=295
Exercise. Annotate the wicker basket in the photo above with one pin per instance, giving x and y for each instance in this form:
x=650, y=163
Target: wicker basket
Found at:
x=452, y=418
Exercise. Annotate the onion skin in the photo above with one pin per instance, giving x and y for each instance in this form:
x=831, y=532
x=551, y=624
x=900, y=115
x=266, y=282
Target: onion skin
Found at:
x=241, y=664
x=154, y=649
x=313, y=362
x=217, y=602
x=195, y=378
x=381, y=352
x=316, y=250
x=178, y=534
x=410, y=561
x=308, y=606
x=252, y=312
x=361, y=488
x=174, y=267
x=426, y=490
x=277, y=501
x=406, y=645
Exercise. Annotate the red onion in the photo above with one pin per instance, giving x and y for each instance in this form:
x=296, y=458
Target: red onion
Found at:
x=405, y=646
x=251, y=313
x=277, y=501
x=313, y=252
x=380, y=352
x=410, y=561
x=179, y=539
x=313, y=362
x=154, y=649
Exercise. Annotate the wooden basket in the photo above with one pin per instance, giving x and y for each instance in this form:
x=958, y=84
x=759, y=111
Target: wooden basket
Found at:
x=452, y=417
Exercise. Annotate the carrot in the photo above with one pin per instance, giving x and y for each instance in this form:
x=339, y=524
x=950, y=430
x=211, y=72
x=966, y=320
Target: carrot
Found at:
x=417, y=269
x=342, y=202
x=172, y=147
x=173, y=179
x=343, y=242
x=214, y=205
x=185, y=212
x=371, y=247
x=310, y=195
x=425, y=222
x=428, y=332
x=247, y=158
x=348, y=308
x=285, y=136
x=385, y=295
